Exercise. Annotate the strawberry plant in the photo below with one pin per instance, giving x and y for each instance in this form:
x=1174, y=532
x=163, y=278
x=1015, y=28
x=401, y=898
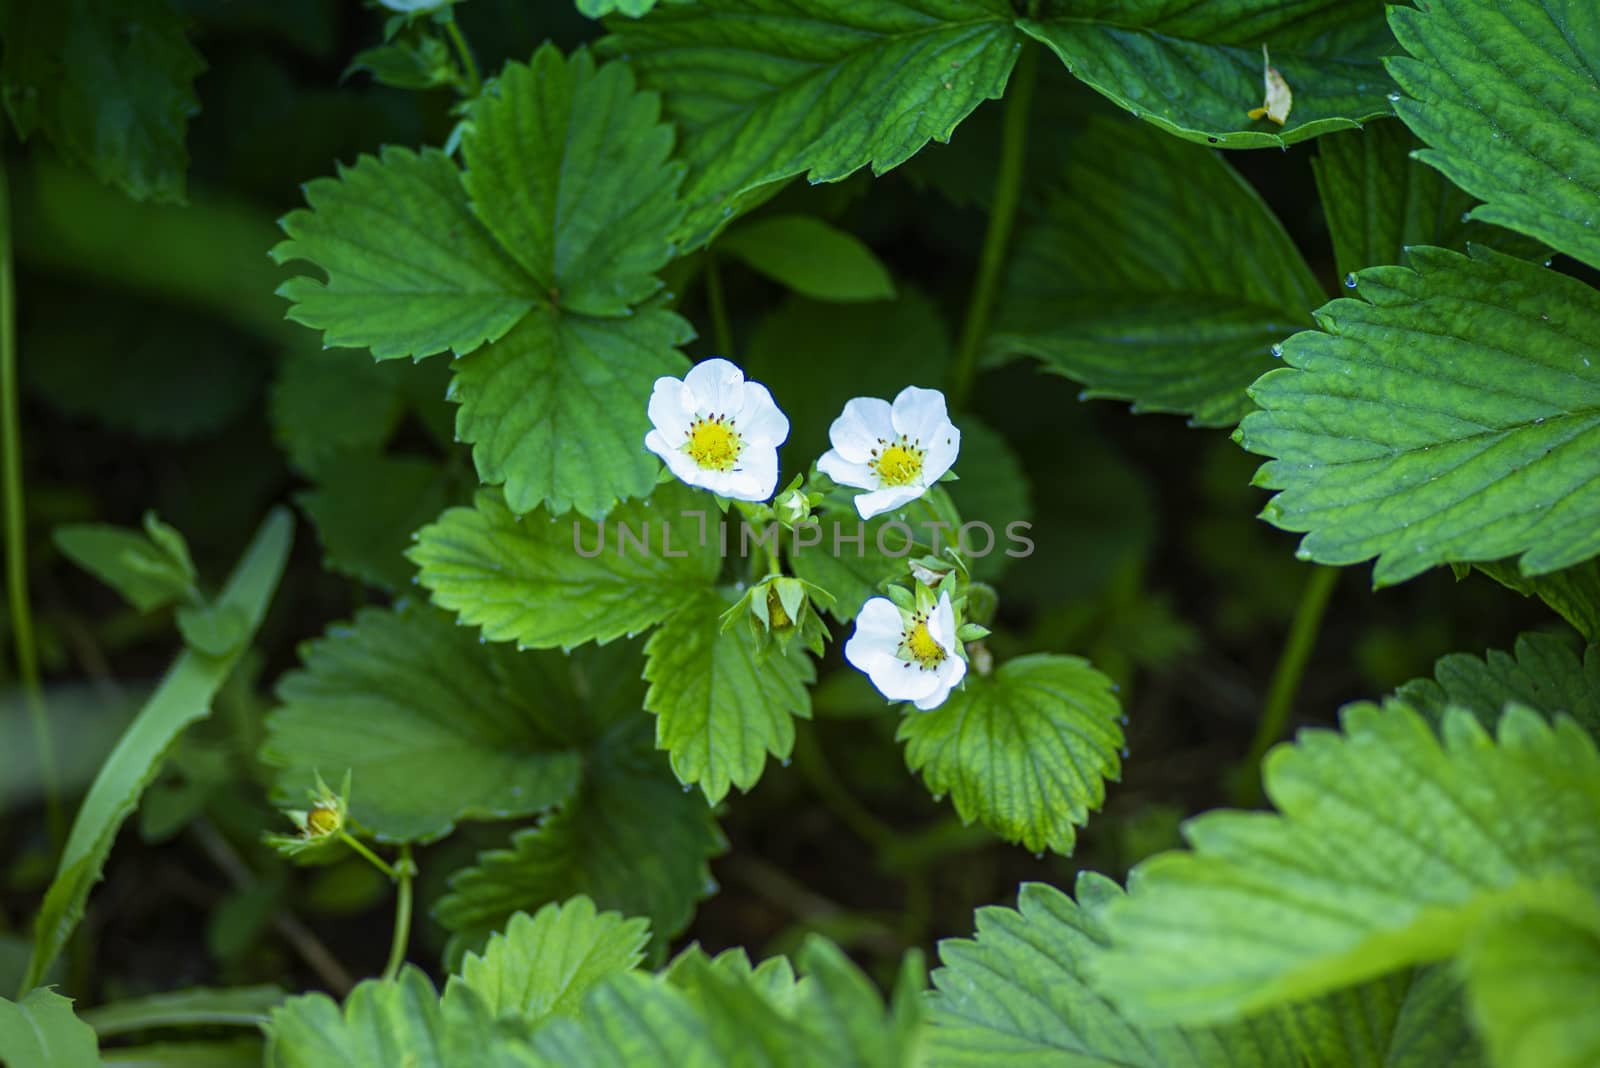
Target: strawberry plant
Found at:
x=635, y=567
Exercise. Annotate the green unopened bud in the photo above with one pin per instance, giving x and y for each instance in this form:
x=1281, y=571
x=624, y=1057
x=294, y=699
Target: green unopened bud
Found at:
x=982, y=601
x=792, y=507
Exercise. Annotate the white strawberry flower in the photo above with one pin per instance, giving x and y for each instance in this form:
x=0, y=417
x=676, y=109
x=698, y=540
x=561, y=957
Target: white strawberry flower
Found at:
x=717, y=431
x=908, y=655
x=893, y=451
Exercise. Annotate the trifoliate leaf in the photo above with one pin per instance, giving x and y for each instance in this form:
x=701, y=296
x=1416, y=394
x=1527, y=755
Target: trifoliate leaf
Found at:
x=110, y=82
x=1535, y=980
x=720, y=707
x=1388, y=846
x=1379, y=200
x=147, y=572
x=556, y=409
x=1026, y=751
x=1523, y=143
x=1194, y=69
x=632, y=839
x=568, y=167
x=543, y=581
x=545, y=963
x=767, y=89
x=811, y=257
x=411, y=704
x=40, y=1031
x=1461, y=393
x=366, y=508
x=1020, y=992
x=410, y=270
x=1184, y=317
x=1573, y=592
x=1545, y=675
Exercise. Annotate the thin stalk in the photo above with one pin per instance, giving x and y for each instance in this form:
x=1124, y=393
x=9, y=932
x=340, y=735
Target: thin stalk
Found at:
x=1002, y=218
x=468, y=65
x=27, y=653
x=368, y=855
x=1297, y=648
x=721, y=327
x=405, y=869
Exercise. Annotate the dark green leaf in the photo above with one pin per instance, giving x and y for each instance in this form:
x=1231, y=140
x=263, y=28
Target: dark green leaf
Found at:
x=1573, y=592
x=810, y=257
x=1545, y=674
x=366, y=509
x=1184, y=316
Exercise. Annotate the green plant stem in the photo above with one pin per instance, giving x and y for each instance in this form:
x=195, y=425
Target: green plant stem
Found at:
x=1002, y=218
x=404, y=870
x=721, y=328
x=468, y=64
x=27, y=653
x=368, y=855
x=1286, y=677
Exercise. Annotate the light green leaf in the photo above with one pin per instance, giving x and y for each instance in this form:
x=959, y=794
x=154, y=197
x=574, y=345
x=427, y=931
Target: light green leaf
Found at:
x=110, y=82
x=1416, y=1018
x=600, y=8
x=767, y=89
x=720, y=706
x=1194, y=69
x=631, y=839
x=544, y=581
x=556, y=409
x=543, y=965
x=243, y=1006
x=184, y=696
x=1573, y=592
x=1535, y=981
x=1388, y=848
x=40, y=1031
x=413, y=706
x=214, y=629
x=1184, y=317
x=366, y=509
x=1453, y=413
x=1379, y=201
x=1545, y=675
x=1507, y=97
x=850, y=1025
x=752, y=1017
x=384, y=1024
x=630, y=1021
x=410, y=270
x=147, y=573
x=811, y=257
x=569, y=168
x=1026, y=751
x=1018, y=993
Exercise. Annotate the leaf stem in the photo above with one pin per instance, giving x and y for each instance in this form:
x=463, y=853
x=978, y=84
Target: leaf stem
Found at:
x=721, y=327
x=468, y=65
x=404, y=870
x=1002, y=218
x=376, y=861
x=16, y=543
x=1297, y=648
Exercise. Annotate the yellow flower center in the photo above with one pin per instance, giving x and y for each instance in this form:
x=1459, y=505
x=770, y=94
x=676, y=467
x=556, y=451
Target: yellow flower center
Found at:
x=898, y=463
x=322, y=820
x=713, y=443
x=921, y=645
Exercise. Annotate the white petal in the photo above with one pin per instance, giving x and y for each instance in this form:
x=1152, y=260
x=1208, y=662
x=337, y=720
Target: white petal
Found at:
x=756, y=475
x=902, y=680
x=920, y=415
x=759, y=420
x=668, y=411
x=859, y=427
x=717, y=387
x=885, y=500
x=941, y=455
x=846, y=473
x=656, y=443
x=684, y=467
x=949, y=676
x=942, y=625
x=880, y=622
